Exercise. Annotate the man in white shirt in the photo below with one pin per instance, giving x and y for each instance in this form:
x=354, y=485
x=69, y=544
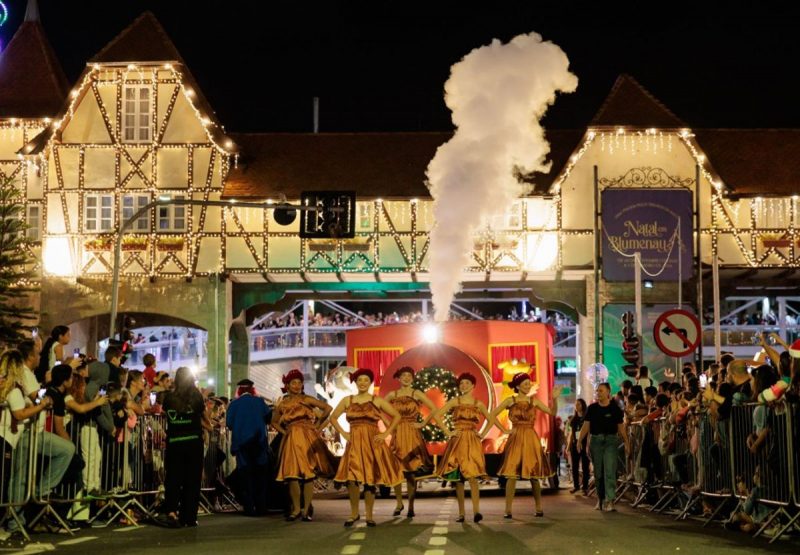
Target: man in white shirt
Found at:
x=58, y=450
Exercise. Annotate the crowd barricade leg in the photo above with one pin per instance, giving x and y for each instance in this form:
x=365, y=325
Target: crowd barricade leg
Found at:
x=690, y=491
x=715, y=452
x=764, y=473
x=631, y=467
x=215, y=495
x=678, y=463
x=133, y=472
x=113, y=473
x=225, y=500
x=148, y=474
x=793, y=445
x=208, y=477
x=18, y=478
x=53, y=456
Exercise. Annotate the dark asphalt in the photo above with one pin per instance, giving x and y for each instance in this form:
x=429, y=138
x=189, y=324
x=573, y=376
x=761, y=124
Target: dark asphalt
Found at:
x=570, y=526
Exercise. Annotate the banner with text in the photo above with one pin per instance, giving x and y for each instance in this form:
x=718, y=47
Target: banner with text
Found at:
x=648, y=221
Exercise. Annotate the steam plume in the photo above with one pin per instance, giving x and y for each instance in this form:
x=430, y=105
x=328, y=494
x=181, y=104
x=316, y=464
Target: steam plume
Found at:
x=497, y=94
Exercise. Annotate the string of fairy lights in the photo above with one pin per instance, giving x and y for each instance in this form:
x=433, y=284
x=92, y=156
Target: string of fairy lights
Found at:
x=392, y=237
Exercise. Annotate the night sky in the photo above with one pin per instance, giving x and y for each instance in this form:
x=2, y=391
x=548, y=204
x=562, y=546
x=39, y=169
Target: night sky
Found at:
x=381, y=66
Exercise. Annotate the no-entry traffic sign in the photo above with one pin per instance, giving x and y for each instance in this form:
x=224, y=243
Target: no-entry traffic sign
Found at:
x=677, y=332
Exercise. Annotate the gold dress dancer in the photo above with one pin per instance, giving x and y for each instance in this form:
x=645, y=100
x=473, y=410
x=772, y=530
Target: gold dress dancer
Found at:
x=463, y=459
x=367, y=458
x=523, y=456
x=303, y=455
x=407, y=442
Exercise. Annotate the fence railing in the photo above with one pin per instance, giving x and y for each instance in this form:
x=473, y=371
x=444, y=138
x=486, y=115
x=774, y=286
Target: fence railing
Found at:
x=64, y=470
x=718, y=465
x=746, y=335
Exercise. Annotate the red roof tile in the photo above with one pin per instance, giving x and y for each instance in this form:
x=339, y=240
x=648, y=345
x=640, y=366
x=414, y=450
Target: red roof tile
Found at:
x=144, y=40
x=32, y=83
x=754, y=162
x=374, y=165
x=630, y=104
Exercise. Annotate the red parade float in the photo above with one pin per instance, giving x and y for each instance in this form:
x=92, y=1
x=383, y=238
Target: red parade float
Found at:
x=493, y=351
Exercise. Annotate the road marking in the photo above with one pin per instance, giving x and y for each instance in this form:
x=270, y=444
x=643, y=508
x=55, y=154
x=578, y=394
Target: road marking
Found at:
x=439, y=530
x=358, y=535
x=437, y=540
x=37, y=548
x=350, y=549
x=441, y=523
x=434, y=552
x=128, y=528
x=76, y=541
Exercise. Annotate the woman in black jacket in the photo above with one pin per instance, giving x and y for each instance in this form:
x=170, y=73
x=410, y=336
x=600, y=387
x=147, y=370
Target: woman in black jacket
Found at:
x=184, y=408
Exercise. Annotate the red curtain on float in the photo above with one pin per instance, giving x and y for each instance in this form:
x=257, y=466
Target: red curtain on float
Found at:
x=503, y=353
x=377, y=360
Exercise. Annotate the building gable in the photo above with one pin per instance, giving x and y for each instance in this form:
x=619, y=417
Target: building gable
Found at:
x=32, y=83
x=630, y=104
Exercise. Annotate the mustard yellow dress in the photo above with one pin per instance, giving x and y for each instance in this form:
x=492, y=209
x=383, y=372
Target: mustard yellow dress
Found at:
x=366, y=461
x=407, y=443
x=523, y=456
x=303, y=454
x=464, y=452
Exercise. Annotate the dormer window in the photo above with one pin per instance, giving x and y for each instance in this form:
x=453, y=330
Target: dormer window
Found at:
x=137, y=112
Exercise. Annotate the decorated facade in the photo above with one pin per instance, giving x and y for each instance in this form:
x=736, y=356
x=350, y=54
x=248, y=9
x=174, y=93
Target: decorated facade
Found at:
x=135, y=127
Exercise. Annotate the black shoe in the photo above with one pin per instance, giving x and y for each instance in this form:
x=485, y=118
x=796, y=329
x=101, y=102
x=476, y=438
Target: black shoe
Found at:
x=349, y=522
x=166, y=521
x=189, y=524
x=573, y=490
x=410, y=513
x=292, y=518
x=477, y=518
x=398, y=511
x=371, y=523
x=460, y=518
x=508, y=516
x=310, y=511
x=306, y=518
x=539, y=514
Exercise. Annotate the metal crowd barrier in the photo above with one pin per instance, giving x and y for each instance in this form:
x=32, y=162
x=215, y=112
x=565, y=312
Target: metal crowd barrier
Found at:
x=659, y=465
x=667, y=470
x=218, y=464
x=16, y=474
x=764, y=471
x=120, y=469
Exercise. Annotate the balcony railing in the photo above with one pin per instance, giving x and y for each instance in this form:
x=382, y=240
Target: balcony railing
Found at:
x=746, y=336
x=296, y=337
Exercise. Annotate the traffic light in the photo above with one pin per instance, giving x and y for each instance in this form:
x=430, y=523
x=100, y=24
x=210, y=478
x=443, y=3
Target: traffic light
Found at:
x=630, y=344
x=125, y=337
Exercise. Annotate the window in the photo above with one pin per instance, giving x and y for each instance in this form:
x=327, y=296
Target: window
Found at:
x=34, y=221
x=136, y=114
x=98, y=213
x=365, y=216
x=130, y=205
x=511, y=219
x=172, y=218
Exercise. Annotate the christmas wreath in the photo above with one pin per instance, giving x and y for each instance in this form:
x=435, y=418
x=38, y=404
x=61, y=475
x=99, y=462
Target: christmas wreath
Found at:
x=436, y=377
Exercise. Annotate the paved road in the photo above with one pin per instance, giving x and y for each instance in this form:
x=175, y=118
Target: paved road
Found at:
x=569, y=526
